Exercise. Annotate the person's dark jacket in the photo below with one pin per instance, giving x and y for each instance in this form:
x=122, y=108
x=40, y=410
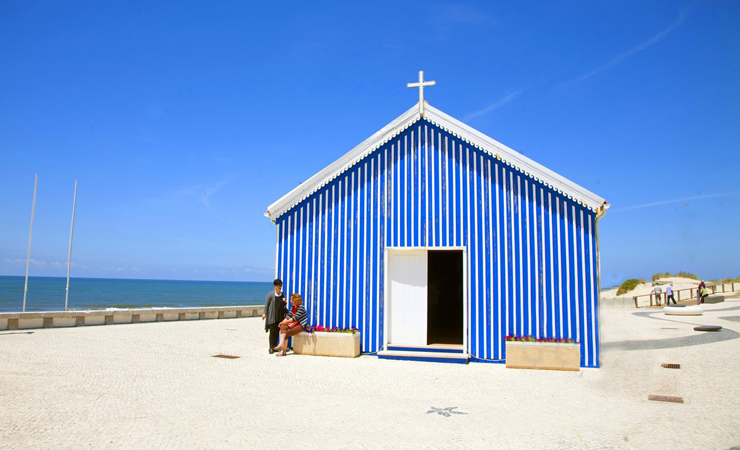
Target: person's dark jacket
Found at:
x=275, y=309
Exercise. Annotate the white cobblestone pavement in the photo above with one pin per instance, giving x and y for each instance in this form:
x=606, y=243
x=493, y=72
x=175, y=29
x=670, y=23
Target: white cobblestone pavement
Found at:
x=157, y=386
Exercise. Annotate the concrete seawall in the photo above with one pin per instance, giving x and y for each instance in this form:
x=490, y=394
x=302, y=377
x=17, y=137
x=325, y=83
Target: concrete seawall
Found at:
x=56, y=319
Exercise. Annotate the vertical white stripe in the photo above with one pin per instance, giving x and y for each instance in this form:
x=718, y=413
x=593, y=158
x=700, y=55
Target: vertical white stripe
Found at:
x=552, y=266
x=333, y=228
x=408, y=210
x=520, y=200
x=498, y=262
x=467, y=235
x=322, y=268
x=545, y=311
x=314, y=256
x=536, y=266
x=345, y=235
x=301, y=228
x=567, y=269
x=284, y=250
x=418, y=196
x=438, y=217
x=491, y=217
x=362, y=268
x=367, y=328
x=594, y=314
x=560, y=269
x=447, y=191
x=351, y=299
x=293, y=218
x=475, y=248
x=277, y=247
x=430, y=174
x=393, y=172
x=576, y=278
x=583, y=284
x=380, y=250
x=527, y=239
x=326, y=268
x=514, y=293
x=455, y=215
x=426, y=174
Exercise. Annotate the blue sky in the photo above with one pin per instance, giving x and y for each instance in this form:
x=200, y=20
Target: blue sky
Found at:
x=183, y=121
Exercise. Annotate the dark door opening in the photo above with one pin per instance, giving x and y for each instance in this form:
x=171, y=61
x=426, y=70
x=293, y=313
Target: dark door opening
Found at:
x=445, y=297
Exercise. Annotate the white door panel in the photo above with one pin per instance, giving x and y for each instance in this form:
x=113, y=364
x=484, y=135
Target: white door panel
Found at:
x=408, y=297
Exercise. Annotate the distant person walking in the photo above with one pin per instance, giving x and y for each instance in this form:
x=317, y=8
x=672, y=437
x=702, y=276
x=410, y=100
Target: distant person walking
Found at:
x=669, y=294
x=701, y=293
x=658, y=292
x=275, y=310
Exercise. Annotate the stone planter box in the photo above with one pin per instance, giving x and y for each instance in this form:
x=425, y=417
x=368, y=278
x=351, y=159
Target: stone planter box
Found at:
x=543, y=355
x=346, y=345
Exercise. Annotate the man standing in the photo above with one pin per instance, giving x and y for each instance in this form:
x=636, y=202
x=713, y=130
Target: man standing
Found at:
x=669, y=294
x=275, y=311
x=658, y=292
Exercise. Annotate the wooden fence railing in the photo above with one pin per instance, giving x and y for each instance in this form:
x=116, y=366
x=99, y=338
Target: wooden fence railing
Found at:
x=688, y=294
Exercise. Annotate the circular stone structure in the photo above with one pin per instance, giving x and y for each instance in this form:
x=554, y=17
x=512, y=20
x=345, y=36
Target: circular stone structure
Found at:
x=708, y=328
x=693, y=310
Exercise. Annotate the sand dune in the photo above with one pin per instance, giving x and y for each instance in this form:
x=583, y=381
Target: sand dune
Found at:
x=646, y=288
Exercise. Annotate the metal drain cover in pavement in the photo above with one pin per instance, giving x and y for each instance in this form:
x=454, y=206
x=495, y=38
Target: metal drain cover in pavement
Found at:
x=226, y=356
x=708, y=328
x=670, y=366
x=665, y=398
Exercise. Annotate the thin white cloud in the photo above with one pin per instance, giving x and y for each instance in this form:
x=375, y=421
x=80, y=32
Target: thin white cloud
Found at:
x=32, y=261
x=501, y=102
x=634, y=50
x=506, y=99
x=675, y=200
x=203, y=193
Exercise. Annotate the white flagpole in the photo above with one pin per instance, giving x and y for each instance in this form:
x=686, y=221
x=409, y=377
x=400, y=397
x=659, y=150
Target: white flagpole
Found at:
x=69, y=256
x=30, y=233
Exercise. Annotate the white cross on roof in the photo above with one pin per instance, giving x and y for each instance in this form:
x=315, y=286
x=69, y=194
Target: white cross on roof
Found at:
x=421, y=85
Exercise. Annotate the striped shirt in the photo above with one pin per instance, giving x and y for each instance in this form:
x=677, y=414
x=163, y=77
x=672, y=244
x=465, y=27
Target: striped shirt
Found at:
x=301, y=316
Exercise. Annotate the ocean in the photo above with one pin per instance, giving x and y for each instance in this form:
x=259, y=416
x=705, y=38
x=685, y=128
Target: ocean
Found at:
x=47, y=294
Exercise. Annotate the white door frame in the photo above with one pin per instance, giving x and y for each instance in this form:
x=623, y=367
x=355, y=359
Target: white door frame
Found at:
x=389, y=251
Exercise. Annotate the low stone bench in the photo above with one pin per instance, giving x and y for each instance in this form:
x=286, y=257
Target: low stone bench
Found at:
x=691, y=310
x=56, y=319
x=714, y=298
x=346, y=345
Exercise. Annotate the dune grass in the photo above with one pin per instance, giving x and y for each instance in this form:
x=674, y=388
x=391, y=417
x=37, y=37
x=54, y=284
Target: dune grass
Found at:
x=681, y=274
x=727, y=280
x=628, y=285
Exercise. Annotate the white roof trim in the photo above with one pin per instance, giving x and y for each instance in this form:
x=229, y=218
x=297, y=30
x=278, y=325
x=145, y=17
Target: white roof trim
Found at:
x=453, y=126
x=515, y=159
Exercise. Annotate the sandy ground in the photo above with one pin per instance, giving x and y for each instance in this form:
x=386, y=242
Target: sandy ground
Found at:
x=157, y=385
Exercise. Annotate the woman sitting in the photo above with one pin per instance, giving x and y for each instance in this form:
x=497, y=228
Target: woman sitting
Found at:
x=293, y=324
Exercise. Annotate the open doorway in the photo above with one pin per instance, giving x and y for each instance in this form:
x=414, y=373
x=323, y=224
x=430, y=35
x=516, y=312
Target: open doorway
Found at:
x=445, y=297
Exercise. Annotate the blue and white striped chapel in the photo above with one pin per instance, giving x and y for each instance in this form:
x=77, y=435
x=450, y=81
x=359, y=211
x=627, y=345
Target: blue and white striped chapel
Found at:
x=430, y=235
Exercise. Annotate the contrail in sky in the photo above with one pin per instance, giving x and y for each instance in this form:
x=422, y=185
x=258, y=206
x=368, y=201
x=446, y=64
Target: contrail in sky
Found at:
x=677, y=200
x=621, y=57
x=498, y=104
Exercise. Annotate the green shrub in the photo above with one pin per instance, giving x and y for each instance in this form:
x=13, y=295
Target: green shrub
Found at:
x=629, y=285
